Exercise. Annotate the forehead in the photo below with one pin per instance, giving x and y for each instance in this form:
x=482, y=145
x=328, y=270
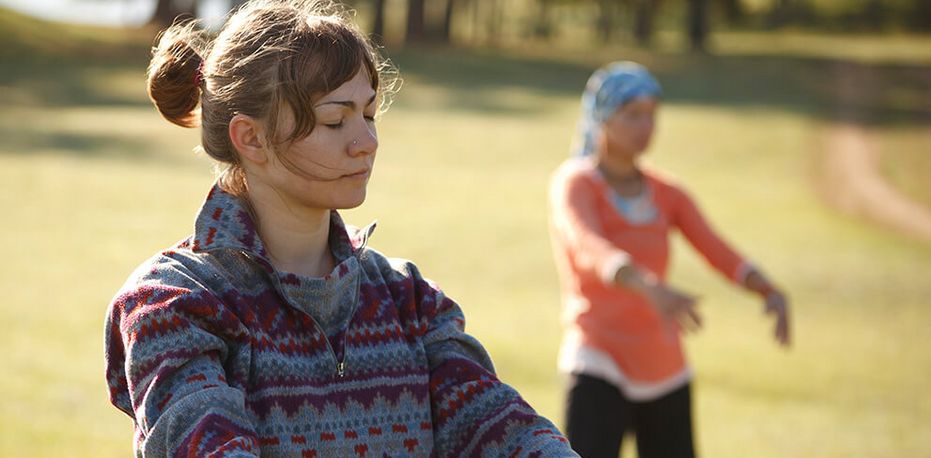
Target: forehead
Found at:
x=640, y=102
x=634, y=106
x=358, y=89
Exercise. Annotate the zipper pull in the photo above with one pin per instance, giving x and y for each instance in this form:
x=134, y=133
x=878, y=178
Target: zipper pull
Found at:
x=340, y=369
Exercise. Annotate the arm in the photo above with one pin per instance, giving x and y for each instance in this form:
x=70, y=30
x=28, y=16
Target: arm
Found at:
x=689, y=220
x=165, y=369
x=578, y=225
x=729, y=263
x=474, y=413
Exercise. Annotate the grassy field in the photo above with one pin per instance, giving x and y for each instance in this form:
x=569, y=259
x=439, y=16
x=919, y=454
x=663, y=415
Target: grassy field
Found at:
x=94, y=182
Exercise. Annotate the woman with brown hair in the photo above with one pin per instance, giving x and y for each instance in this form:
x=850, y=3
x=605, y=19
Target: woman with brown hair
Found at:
x=274, y=329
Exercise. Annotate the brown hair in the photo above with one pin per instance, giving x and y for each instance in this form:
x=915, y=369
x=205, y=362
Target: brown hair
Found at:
x=270, y=56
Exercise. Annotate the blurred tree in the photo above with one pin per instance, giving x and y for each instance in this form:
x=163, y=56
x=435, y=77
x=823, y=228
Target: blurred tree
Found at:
x=169, y=11
x=378, y=22
x=644, y=11
x=495, y=20
x=607, y=21
x=415, y=21
x=733, y=11
x=918, y=15
x=784, y=12
x=432, y=24
x=543, y=26
x=698, y=24
x=447, y=29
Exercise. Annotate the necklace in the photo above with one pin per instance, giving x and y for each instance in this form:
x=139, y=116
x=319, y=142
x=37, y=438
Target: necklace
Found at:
x=628, y=186
x=631, y=197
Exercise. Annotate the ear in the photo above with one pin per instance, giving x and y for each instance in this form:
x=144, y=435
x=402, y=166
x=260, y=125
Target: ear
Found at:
x=247, y=135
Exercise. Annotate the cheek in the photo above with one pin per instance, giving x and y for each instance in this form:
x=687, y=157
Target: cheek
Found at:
x=618, y=133
x=315, y=151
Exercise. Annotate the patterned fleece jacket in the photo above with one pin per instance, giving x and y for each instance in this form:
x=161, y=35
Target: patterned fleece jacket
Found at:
x=210, y=357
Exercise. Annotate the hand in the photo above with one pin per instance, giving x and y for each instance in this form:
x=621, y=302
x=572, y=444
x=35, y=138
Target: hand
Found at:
x=775, y=303
x=675, y=305
x=671, y=303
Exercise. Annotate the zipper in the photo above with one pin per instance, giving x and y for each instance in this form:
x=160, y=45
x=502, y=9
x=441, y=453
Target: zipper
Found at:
x=340, y=366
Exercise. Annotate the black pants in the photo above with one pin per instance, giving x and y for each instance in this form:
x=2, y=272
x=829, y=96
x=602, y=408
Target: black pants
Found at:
x=598, y=415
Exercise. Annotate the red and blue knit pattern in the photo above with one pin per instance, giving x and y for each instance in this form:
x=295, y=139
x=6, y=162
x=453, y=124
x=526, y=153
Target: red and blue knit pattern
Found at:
x=209, y=357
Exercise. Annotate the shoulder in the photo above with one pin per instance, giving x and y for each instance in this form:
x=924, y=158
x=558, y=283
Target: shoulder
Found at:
x=390, y=269
x=574, y=176
x=665, y=184
x=575, y=168
x=173, y=276
x=400, y=281
x=178, y=264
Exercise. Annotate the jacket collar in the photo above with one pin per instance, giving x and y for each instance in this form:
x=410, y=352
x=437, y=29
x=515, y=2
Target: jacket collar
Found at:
x=224, y=223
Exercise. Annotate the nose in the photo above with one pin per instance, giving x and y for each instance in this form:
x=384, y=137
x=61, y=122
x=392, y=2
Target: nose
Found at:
x=365, y=141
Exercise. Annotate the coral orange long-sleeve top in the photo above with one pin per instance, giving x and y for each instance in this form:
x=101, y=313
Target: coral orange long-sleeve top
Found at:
x=592, y=239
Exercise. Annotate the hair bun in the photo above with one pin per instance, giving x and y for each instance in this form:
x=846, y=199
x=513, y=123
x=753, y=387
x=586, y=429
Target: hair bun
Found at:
x=175, y=74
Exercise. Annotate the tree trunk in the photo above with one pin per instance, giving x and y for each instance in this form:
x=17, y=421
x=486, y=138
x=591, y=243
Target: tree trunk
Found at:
x=643, y=21
x=168, y=11
x=543, y=24
x=378, y=25
x=603, y=21
x=494, y=21
x=476, y=21
x=920, y=15
x=733, y=11
x=447, y=32
x=415, y=21
x=780, y=13
x=698, y=24
x=608, y=19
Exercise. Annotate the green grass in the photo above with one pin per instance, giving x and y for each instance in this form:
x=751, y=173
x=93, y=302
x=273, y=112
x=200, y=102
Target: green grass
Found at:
x=94, y=182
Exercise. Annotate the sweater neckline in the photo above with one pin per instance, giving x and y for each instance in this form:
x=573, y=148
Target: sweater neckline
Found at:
x=223, y=222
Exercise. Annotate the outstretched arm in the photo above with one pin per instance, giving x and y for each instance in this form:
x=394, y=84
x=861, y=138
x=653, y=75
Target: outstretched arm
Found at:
x=577, y=223
x=724, y=259
x=578, y=226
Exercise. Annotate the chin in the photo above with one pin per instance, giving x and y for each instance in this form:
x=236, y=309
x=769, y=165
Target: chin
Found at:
x=349, y=203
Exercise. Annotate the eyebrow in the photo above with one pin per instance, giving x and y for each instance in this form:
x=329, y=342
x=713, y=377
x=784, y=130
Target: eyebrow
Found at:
x=345, y=103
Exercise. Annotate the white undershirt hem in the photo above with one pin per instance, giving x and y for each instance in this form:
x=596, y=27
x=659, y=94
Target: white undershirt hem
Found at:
x=575, y=358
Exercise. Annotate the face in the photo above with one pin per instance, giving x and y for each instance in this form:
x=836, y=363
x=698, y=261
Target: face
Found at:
x=627, y=133
x=332, y=165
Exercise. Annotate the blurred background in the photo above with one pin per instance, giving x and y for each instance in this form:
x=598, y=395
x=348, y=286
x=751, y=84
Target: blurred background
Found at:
x=803, y=128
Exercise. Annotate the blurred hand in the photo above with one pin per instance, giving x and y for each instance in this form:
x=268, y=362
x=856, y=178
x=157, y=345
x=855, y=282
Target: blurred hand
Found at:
x=672, y=304
x=675, y=305
x=775, y=303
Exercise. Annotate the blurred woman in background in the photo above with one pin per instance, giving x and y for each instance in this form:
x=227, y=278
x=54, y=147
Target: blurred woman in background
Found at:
x=611, y=217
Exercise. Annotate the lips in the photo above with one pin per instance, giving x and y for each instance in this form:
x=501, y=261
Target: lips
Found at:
x=364, y=173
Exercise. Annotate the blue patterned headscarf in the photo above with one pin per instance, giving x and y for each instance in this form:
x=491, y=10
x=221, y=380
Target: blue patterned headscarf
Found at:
x=608, y=89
